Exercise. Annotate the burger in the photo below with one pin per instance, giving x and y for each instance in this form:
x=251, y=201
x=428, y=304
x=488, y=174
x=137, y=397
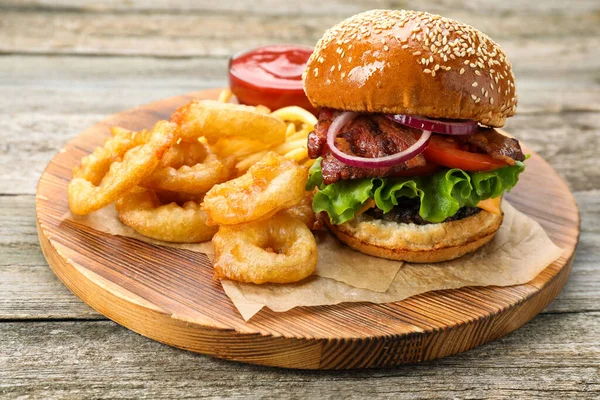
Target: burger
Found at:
x=409, y=165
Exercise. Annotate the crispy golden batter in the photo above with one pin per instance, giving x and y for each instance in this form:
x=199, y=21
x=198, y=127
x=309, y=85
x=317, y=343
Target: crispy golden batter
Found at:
x=189, y=167
x=273, y=184
x=213, y=120
x=279, y=250
x=142, y=210
x=110, y=172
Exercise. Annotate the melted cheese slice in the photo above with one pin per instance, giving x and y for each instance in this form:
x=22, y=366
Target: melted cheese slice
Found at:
x=368, y=204
x=491, y=205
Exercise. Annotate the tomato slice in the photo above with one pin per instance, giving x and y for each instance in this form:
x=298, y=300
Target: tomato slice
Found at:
x=445, y=151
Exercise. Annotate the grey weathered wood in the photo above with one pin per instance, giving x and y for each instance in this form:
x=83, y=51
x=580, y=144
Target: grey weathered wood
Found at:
x=533, y=40
x=146, y=50
x=104, y=85
x=554, y=356
x=306, y=7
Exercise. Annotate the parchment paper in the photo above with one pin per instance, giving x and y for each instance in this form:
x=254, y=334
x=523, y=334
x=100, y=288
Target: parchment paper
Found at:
x=519, y=252
x=336, y=261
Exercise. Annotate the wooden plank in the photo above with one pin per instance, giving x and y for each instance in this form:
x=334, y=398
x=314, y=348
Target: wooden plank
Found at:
x=306, y=7
x=28, y=288
x=105, y=85
x=554, y=356
x=565, y=43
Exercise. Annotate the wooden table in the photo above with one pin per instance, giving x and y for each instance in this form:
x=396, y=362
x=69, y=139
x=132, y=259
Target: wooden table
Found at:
x=65, y=66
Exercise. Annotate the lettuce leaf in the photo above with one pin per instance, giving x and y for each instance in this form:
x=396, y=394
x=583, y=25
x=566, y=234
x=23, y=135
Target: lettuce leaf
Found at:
x=442, y=194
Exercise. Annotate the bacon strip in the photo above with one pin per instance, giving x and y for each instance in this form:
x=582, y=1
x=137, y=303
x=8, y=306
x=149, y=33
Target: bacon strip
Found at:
x=373, y=135
x=369, y=136
x=491, y=142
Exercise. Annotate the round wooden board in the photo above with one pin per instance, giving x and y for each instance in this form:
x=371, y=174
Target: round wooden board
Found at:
x=169, y=294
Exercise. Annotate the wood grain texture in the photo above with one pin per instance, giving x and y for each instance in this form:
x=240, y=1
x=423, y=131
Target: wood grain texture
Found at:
x=536, y=43
x=169, y=294
x=101, y=360
x=51, y=96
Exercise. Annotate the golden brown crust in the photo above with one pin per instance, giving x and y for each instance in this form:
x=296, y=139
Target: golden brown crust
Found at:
x=418, y=243
x=407, y=62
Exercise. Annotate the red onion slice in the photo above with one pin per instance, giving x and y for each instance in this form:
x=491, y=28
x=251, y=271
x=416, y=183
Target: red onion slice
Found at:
x=364, y=162
x=444, y=127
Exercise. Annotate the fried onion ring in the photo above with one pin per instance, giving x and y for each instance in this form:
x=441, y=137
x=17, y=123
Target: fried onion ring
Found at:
x=94, y=166
x=304, y=211
x=213, y=120
x=99, y=183
x=278, y=250
x=272, y=184
x=189, y=167
x=142, y=210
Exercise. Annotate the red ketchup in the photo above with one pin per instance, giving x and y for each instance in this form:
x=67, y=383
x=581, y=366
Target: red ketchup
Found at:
x=271, y=76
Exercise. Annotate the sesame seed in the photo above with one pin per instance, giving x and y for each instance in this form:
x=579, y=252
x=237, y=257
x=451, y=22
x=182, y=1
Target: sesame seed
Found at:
x=433, y=73
x=442, y=38
x=316, y=72
x=491, y=100
x=427, y=70
x=474, y=97
x=474, y=84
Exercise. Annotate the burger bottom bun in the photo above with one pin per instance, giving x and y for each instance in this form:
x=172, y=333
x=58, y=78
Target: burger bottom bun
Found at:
x=418, y=243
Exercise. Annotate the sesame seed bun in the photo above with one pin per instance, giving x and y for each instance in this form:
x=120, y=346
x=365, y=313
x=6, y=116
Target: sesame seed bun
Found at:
x=418, y=243
x=408, y=62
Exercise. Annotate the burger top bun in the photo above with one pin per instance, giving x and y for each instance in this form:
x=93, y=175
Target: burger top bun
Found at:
x=408, y=62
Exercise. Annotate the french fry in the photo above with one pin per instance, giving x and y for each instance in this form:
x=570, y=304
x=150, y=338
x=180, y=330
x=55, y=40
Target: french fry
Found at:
x=225, y=96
